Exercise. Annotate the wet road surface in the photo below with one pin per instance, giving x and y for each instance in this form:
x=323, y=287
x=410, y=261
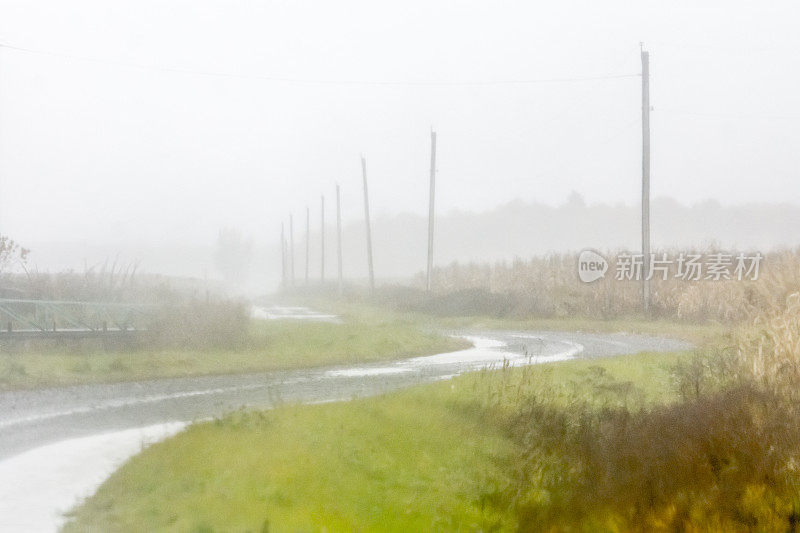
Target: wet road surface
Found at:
x=29, y=419
x=58, y=445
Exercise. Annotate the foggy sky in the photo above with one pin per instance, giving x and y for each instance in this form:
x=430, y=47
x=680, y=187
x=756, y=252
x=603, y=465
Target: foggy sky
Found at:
x=105, y=152
x=516, y=230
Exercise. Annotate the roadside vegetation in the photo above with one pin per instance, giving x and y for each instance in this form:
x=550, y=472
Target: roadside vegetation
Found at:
x=698, y=332
x=698, y=441
x=437, y=457
x=184, y=328
x=220, y=339
x=645, y=442
x=547, y=287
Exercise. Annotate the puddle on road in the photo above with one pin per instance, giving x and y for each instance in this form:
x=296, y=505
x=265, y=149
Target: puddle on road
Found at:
x=484, y=353
x=277, y=312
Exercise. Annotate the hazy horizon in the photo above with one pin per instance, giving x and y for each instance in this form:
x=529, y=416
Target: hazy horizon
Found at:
x=162, y=122
x=514, y=229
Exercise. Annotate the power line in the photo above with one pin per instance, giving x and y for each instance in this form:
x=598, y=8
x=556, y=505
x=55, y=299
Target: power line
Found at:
x=721, y=47
x=311, y=81
x=765, y=116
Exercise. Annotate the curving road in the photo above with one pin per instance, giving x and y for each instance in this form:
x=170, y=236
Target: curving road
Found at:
x=67, y=440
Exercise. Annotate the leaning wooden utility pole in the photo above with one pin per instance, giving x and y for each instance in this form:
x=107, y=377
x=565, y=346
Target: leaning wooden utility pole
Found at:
x=339, y=237
x=369, y=231
x=322, y=239
x=645, y=181
x=291, y=248
x=308, y=238
x=431, y=202
x=283, y=256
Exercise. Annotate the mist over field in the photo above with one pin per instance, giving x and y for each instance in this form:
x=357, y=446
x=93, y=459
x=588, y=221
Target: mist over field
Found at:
x=516, y=229
x=137, y=134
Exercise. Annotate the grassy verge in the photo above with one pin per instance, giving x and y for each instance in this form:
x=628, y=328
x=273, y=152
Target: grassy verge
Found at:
x=697, y=332
x=271, y=345
x=431, y=458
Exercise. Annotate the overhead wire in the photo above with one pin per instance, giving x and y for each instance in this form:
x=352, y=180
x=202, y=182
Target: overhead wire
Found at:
x=318, y=81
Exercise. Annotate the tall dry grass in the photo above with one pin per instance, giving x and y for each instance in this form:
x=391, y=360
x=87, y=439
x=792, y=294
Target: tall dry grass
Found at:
x=549, y=287
x=724, y=456
x=724, y=461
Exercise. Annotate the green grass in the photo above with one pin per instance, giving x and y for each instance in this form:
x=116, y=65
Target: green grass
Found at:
x=435, y=457
x=697, y=332
x=272, y=345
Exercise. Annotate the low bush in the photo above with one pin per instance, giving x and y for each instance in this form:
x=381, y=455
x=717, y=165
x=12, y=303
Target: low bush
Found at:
x=724, y=461
x=200, y=325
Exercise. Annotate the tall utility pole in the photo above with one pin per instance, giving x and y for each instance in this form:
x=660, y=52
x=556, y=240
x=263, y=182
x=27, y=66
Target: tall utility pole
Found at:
x=308, y=238
x=339, y=237
x=369, y=231
x=322, y=239
x=291, y=248
x=283, y=256
x=645, y=180
x=431, y=211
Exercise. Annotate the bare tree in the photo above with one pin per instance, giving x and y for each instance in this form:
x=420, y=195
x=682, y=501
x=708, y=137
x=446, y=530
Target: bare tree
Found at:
x=12, y=254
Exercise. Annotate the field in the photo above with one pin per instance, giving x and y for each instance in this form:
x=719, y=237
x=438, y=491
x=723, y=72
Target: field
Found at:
x=697, y=331
x=437, y=457
x=703, y=440
x=700, y=441
x=548, y=287
x=269, y=346
x=367, y=333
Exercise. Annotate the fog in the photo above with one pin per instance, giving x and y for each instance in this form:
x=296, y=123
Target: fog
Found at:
x=139, y=130
x=512, y=230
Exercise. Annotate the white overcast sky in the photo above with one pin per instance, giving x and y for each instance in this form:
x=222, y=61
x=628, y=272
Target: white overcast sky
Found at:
x=101, y=151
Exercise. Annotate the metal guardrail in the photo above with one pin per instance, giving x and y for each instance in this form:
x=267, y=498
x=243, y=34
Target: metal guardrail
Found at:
x=37, y=318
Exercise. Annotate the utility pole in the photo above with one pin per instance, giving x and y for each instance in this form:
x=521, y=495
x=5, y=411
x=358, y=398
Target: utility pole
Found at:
x=431, y=202
x=291, y=248
x=283, y=256
x=645, y=180
x=308, y=238
x=339, y=237
x=369, y=231
x=322, y=239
